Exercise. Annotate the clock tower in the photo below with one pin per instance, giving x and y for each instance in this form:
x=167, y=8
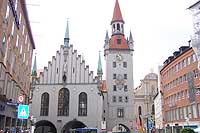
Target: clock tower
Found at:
x=118, y=53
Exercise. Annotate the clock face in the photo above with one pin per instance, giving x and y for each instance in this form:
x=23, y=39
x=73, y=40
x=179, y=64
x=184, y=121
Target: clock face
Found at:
x=119, y=57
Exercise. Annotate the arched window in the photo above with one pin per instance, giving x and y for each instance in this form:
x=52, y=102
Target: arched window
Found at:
x=153, y=109
x=3, y=44
x=44, y=110
x=118, y=27
x=82, y=106
x=63, y=102
x=113, y=29
x=140, y=110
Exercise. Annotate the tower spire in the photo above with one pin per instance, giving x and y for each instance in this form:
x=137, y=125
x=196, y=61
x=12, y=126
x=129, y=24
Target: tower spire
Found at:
x=34, y=69
x=99, y=69
x=66, y=39
x=117, y=15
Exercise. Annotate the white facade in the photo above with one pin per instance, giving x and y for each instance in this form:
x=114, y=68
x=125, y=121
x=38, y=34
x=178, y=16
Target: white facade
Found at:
x=78, y=80
x=158, y=105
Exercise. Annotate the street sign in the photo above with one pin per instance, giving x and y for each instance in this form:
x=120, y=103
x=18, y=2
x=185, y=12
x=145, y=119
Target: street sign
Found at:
x=151, y=125
x=23, y=111
x=21, y=98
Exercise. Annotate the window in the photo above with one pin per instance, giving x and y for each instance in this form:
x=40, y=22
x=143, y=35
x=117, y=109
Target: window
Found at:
x=120, y=112
x=184, y=112
x=114, y=64
x=82, y=108
x=193, y=58
x=3, y=44
x=16, y=3
x=120, y=99
x=118, y=27
x=189, y=112
x=126, y=99
x=7, y=14
x=125, y=76
x=63, y=102
x=44, y=110
x=9, y=55
x=14, y=64
x=13, y=28
x=21, y=48
x=181, y=113
x=125, y=64
x=20, y=18
x=114, y=99
x=125, y=88
x=24, y=58
x=139, y=110
x=23, y=29
x=177, y=114
x=195, y=73
x=194, y=111
x=198, y=105
x=114, y=88
x=114, y=76
x=118, y=41
x=188, y=60
x=17, y=41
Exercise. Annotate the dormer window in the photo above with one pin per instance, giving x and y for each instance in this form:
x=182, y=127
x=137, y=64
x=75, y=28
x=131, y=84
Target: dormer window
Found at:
x=118, y=41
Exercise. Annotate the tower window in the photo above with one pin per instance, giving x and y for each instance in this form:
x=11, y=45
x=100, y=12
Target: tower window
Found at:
x=114, y=76
x=126, y=99
x=114, y=88
x=118, y=27
x=114, y=65
x=125, y=88
x=120, y=99
x=114, y=99
x=125, y=64
x=125, y=76
x=120, y=112
x=118, y=41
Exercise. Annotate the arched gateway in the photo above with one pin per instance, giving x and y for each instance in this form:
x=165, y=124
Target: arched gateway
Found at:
x=45, y=126
x=121, y=128
x=71, y=125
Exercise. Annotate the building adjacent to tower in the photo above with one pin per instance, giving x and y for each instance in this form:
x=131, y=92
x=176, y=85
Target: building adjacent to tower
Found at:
x=16, y=48
x=118, y=52
x=180, y=86
x=144, y=102
x=66, y=94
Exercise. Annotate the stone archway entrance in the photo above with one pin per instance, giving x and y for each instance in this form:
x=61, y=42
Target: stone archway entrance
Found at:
x=120, y=128
x=71, y=125
x=44, y=126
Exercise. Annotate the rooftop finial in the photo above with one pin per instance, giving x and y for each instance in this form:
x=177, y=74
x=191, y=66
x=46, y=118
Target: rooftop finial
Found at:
x=66, y=39
x=34, y=70
x=99, y=69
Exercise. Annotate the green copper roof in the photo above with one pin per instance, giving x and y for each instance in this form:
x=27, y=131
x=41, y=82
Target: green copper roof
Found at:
x=99, y=70
x=34, y=69
x=66, y=39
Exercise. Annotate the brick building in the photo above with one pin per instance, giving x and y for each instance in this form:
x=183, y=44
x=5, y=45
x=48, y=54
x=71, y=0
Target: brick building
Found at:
x=16, y=48
x=180, y=86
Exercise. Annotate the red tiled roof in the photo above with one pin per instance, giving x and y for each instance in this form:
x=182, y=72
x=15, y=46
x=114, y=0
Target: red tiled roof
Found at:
x=117, y=16
x=113, y=42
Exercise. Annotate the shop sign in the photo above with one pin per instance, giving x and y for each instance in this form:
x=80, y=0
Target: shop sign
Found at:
x=12, y=5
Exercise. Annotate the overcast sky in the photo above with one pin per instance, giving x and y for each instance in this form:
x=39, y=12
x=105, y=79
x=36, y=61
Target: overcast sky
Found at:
x=159, y=28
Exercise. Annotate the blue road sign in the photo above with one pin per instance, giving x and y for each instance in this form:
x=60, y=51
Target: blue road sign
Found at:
x=151, y=125
x=23, y=111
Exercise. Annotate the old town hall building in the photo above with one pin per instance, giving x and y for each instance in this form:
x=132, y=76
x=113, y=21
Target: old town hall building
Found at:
x=67, y=95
